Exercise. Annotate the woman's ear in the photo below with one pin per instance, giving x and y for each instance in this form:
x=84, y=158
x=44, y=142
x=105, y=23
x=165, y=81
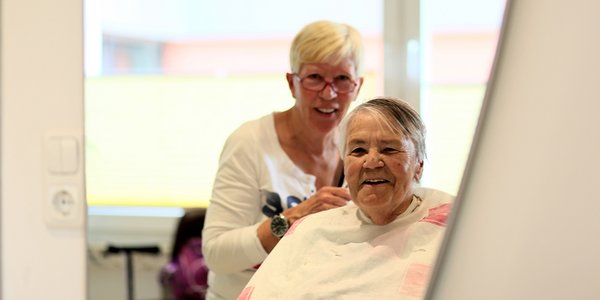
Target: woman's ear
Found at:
x=419, y=172
x=290, y=80
x=360, y=83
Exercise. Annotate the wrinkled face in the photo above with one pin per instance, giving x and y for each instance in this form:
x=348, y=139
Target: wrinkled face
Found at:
x=381, y=166
x=323, y=110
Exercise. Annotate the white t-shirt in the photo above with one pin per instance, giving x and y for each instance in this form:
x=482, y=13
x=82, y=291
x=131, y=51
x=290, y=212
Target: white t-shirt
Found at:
x=341, y=254
x=255, y=180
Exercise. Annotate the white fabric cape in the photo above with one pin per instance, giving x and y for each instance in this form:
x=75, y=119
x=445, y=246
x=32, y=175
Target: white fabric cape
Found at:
x=340, y=254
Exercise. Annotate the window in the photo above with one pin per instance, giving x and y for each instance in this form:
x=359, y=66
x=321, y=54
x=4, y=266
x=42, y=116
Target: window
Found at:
x=167, y=81
x=458, y=44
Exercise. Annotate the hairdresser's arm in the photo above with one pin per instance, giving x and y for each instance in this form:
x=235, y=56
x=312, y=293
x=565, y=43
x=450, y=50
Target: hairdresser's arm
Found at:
x=327, y=197
x=230, y=242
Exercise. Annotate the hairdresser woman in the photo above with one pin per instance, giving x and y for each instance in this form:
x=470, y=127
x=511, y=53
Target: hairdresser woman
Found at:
x=285, y=165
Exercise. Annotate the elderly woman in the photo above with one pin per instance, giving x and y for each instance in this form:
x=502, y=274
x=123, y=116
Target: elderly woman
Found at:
x=384, y=246
x=286, y=165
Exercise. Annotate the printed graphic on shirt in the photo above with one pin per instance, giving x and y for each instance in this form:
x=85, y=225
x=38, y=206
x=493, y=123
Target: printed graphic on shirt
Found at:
x=273, y=204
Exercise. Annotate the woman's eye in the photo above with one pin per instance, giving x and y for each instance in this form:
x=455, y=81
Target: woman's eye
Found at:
x=343, y=78
x=390, y=150
x=358, y=151
x=314, y=77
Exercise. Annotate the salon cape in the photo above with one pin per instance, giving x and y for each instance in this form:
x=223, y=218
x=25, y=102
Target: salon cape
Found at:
x=341, y=254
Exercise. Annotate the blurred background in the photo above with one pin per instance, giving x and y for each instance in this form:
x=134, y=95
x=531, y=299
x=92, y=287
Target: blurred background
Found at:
x=167, y=81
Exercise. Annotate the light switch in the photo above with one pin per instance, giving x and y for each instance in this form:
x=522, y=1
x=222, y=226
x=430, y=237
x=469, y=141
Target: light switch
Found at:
x=69, y=155
x=53, y=146
x=63, y=155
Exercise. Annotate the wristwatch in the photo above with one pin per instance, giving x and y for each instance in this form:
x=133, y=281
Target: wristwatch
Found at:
x=279, y=225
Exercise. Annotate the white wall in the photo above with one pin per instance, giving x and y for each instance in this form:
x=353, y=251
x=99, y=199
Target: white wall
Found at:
x=41, y=86
x=528, y=225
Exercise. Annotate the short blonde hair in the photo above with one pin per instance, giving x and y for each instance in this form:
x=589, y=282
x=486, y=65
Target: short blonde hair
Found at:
x=326, y=41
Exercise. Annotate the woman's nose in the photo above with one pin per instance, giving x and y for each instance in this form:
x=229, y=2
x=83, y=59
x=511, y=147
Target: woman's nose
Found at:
x=373, y=160
x=328, y=92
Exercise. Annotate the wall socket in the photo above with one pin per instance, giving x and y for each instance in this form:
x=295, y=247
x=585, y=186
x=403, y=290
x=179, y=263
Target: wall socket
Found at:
x=63, y=207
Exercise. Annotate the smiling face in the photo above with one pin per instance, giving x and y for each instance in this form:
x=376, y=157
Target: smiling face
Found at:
x=381, y=165
x=323, y=110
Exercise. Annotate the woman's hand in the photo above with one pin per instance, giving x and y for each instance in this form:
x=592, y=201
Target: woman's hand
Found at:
x=325, y=198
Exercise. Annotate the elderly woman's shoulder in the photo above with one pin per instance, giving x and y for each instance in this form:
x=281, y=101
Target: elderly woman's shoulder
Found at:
x=434, y=196
x=438, y=205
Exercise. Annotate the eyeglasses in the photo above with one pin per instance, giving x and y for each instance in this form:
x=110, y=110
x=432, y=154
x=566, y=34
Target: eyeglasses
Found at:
x=316, y=83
